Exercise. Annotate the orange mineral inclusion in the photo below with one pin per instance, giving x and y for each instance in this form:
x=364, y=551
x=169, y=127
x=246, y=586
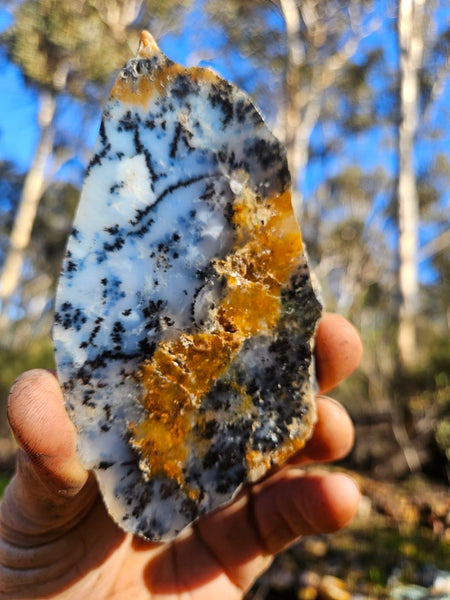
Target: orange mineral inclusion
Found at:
x=146, y=88
x=186, y=227
x=183, y=370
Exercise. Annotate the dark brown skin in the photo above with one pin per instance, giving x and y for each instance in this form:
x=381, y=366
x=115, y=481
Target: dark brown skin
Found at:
x=57, y=540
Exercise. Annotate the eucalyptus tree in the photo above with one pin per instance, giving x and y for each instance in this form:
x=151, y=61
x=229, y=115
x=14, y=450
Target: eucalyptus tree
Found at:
x=65, y=50
x=332, y=78
x=304, y=47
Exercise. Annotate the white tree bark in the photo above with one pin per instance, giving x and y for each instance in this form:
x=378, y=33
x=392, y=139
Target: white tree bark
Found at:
x=32, y=191
x=410, y=35
x=117, y=15
x=304, y=99
x=296, y=156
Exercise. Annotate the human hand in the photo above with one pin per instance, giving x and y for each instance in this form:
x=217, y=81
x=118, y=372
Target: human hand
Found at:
x=58, y=541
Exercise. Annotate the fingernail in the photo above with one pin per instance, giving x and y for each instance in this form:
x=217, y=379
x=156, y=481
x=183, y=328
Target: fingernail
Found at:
x=332, y=400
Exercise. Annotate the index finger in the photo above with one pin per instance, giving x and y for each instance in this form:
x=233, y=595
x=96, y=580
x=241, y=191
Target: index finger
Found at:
x=338, y=351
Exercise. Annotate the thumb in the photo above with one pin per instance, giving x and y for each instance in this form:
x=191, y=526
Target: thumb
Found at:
x=50, y=490
x=44, y=431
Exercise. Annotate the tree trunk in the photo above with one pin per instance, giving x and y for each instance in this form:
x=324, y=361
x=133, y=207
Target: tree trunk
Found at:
x=297, y=156
x=32, y=191
x=410, y=36
x=303, y=99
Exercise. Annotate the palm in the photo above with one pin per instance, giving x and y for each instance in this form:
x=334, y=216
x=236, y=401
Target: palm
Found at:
x=59, y=542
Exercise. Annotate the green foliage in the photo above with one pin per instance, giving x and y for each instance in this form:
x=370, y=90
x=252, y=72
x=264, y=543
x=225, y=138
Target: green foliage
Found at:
x=73, y=48
x=74, y=45
x=51, y=40
x=38, y=354
x=443, y=437
x=371, y=557
x=52, y=226
x=43, y=262
x=70, y=49
x=429, y=389
x=4, y=480
x=348, y=218
x=10, y=185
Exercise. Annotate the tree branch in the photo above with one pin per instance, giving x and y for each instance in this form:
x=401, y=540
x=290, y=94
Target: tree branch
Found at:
x=438, y=244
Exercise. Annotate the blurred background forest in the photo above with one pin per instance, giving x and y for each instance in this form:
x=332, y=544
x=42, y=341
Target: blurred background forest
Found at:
x=359, y=91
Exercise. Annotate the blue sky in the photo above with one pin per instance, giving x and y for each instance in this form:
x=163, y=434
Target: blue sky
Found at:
x=18, y=108
x=18, y=129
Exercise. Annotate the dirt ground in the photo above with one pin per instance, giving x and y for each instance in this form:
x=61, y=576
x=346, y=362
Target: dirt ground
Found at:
x=398, y=547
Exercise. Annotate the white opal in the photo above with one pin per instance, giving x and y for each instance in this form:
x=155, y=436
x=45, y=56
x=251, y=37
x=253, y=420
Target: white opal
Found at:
x=184, y=239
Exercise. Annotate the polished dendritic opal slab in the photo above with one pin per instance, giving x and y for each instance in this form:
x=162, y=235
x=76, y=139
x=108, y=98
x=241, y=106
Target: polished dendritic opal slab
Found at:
x=185, y=315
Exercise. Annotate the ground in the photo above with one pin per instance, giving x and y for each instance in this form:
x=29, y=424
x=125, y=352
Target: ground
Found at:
x=396, y=548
